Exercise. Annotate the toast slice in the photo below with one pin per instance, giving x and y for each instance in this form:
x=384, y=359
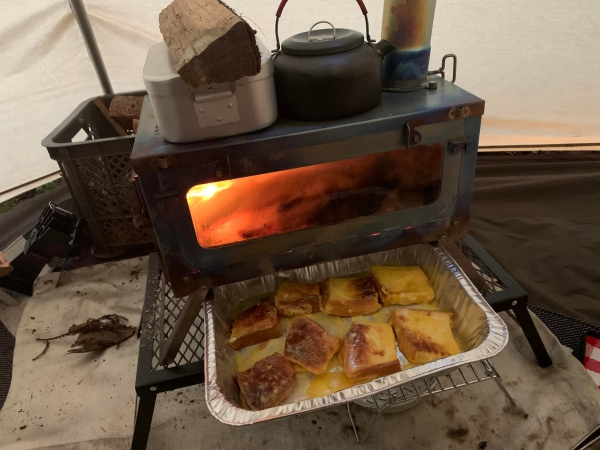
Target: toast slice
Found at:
x=268, y=382
x=297, y=299
x=424, y=336
x=310, y=346
x=255, y=325
x=369, y=351
x=350, y=297
x=402, y=285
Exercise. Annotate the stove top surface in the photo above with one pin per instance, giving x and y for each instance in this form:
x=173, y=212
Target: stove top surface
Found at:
x=394, y=110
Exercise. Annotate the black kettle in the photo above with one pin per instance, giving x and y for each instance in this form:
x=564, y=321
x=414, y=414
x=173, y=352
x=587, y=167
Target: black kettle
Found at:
x=328, y=74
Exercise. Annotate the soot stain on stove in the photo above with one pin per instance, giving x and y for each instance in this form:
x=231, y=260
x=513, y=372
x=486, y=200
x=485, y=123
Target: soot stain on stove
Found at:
x=457, y=434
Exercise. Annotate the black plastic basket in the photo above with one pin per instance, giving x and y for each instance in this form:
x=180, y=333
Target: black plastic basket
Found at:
x=98, y=173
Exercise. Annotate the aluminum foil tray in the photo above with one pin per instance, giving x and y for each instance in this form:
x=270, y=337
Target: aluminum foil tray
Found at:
x=482, y=332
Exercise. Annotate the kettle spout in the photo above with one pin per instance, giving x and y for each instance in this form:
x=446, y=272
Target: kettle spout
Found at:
x=384, y=47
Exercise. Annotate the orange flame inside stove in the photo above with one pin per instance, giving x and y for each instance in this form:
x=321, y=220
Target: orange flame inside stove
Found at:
x=208, y=191
x=263, y=205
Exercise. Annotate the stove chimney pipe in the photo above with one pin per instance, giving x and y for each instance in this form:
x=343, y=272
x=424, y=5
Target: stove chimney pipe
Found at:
x=407, y=24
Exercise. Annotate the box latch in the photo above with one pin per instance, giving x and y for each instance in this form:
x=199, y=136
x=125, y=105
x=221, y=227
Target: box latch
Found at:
x=216, y=107
x=456, y=146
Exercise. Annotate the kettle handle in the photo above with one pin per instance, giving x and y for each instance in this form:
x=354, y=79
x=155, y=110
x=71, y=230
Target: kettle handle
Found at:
x=362, y=6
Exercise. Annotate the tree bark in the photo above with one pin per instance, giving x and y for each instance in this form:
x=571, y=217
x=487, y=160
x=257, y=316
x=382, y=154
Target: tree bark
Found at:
x=208, y=42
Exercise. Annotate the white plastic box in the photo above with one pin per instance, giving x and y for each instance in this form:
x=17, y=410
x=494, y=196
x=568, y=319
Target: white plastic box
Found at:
x=186, y=114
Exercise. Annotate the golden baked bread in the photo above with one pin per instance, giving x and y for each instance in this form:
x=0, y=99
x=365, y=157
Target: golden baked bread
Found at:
x=255, y=325
x=369, y=351
x=350, y=297
x=268, y=382
x=424, y=336
x=402, y=285
x=297, y=299
x=309, y=345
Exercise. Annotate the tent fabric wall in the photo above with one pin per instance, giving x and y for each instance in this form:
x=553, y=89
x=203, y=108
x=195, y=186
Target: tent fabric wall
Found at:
x=535, y=64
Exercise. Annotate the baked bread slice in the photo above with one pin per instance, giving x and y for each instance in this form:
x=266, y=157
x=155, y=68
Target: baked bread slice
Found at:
x=369, y=351
x=350, y=297
x=402, y=285
x=255, y=325
x=297, y=299
x=309, y=345
x=424, y=336
x=268, y=382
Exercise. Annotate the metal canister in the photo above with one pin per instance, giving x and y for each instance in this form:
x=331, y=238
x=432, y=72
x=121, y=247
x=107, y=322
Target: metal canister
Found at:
x=407, y=24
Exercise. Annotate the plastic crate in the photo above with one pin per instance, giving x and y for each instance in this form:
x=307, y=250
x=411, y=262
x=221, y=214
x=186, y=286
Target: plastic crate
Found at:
x=98, y=173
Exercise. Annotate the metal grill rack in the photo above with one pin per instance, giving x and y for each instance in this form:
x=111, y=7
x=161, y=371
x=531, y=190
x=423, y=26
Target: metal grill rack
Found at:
x=493, y=283
x=406, y=394
x=192, y=349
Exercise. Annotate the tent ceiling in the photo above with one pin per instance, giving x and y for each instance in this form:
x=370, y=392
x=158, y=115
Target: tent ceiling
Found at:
x=534, y=63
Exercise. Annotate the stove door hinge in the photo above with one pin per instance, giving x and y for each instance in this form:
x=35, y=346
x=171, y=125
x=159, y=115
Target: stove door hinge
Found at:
x=163, y=163
x=458, y=145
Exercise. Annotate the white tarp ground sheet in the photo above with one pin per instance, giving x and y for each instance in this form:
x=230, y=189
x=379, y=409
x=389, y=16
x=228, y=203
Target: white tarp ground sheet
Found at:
x=62, y=398
x=535, y=64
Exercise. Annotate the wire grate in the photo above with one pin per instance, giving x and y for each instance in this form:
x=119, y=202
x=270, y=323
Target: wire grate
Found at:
x=493, y=283
x=169, y=307
x=463, y=376
x=402, y=395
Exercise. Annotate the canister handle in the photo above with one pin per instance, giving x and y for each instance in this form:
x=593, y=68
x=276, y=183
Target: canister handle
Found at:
x=362, y=6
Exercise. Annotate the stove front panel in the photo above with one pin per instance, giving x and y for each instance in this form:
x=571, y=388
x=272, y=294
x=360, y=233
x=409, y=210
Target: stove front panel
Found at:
x=299, y=193
x=212, y=231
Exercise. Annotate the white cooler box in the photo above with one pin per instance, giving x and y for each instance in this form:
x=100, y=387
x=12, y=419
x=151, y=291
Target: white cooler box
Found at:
x=186, y=114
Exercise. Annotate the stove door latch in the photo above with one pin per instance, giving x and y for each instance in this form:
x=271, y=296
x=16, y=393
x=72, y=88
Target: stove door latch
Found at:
x=163, y=163
x=458, y=145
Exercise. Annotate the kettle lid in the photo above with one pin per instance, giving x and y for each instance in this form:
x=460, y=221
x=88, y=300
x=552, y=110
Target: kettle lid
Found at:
x=322, y=42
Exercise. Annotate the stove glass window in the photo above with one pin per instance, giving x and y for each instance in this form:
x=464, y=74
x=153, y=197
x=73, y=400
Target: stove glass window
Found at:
x=255, y=207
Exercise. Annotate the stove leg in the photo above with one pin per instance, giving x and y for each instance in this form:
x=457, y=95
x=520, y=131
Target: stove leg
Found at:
x=532, y=335
x=143, y=421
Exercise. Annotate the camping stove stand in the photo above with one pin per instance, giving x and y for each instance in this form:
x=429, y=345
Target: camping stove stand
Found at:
x=161, y=310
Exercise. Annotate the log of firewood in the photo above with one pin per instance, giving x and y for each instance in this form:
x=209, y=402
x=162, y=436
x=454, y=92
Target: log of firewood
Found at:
x=208, y=42
x=124, y=108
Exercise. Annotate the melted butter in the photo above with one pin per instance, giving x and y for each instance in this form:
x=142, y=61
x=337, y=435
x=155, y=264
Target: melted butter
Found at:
x=333, y=380
x=334, y=325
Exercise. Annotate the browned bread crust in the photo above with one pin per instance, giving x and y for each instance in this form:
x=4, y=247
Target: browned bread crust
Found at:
x=424, y=336
x=267, y=383
x=369, y=351
x=309, y=345
x=297, y=299
x=255, y=325
x=350, y=297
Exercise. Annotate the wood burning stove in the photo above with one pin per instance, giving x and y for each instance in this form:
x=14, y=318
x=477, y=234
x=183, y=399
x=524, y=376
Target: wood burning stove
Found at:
x=298, y=193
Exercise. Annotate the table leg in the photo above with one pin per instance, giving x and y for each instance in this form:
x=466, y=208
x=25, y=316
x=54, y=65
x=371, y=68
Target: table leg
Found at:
x=143, y=421
x=532, y=335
